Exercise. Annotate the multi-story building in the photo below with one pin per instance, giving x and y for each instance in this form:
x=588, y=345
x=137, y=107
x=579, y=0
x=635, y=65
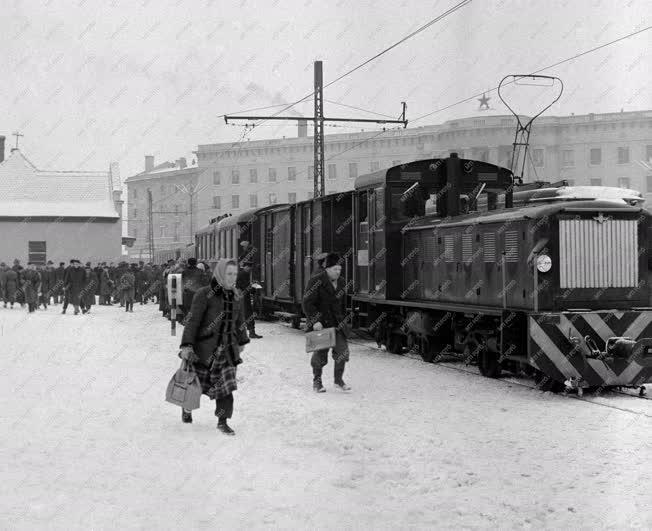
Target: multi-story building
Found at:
x=173, y=186
x=599, y=149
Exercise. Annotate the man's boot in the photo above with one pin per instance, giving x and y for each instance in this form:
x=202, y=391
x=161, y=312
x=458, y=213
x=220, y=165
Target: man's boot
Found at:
x=253, y=334
x=224, y=427
x=186, y=416
x=316, y=381
x=338, y=373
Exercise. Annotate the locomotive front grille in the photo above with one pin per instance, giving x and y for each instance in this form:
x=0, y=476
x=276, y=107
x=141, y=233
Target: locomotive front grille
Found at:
x=598, y=253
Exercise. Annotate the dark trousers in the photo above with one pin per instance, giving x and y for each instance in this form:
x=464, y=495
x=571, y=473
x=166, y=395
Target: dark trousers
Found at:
x=340, y=353
x=248, y=309
x=224, y=407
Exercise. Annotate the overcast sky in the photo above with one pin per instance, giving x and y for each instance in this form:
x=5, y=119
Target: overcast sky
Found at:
x=89, y=82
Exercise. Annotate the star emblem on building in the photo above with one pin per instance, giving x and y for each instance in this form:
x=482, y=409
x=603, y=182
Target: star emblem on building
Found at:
x=484, y=101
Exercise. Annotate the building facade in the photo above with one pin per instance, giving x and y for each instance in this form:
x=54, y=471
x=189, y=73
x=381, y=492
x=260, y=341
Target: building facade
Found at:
x=58, y=215
x=174, y=205
x=595, y=149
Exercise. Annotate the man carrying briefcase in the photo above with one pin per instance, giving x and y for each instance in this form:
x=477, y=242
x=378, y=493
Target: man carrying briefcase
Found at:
x=324, y=303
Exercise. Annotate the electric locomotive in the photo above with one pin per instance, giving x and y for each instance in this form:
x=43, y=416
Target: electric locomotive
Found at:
x=557, y=288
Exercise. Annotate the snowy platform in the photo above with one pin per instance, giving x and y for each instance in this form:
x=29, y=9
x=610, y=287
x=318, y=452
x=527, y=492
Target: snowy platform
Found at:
x=88, y=441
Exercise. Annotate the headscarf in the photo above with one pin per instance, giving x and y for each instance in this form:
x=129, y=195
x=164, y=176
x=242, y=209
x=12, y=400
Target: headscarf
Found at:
x=219, y=273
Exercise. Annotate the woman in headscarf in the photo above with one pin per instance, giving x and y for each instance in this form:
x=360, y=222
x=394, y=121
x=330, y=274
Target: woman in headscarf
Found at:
x=213, y=338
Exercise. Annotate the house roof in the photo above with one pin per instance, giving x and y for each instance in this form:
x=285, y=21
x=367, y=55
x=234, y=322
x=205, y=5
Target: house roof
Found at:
x=26, y=191
x=165, y=169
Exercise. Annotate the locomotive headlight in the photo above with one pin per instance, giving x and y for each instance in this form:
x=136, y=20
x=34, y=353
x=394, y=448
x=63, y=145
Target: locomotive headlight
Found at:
x=544, y=263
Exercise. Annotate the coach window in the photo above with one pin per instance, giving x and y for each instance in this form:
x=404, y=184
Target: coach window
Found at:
x=396, y=210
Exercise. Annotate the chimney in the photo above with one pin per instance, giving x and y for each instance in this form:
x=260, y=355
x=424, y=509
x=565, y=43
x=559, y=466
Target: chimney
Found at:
x=149, y=162
x=2, y=148
x=303, y=128
x=182, y=163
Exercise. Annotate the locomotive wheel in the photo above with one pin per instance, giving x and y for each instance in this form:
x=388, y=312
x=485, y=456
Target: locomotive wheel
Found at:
x=545, y=383
x=395, y=344
x=488, y=363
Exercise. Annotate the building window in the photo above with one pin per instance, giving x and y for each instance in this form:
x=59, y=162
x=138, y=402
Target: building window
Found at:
x=292, y=173
x=135, y=214
x=235, y=201
x=332, y=171
x=136, y=191
x=649, y=182
x=311, y=173
x=537, y=158
x=216, y=177
x=648, y=154
x=162, y=189
x=623, y=155
x=217, y=202
x=353, y=170
x=176, y=209
x=253, y=200
x=235, y=177
x=310, y=195
x=272, y=175
x=374, y=165
x=162, y=231
x=135, y=233
x=596, y=182
x=292, y=197
x=253, y=175
x=36, y=252
x=568, y=157
x=176, y=231
x=272, y=198
x=624, y=182
x=596, y=156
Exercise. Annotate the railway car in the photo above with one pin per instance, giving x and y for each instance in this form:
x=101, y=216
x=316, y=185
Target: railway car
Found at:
x=558, y=289
x=161, y=256
x=291, y=239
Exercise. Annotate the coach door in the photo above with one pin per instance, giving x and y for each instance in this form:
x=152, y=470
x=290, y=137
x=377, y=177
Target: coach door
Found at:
x=377, y=250
x=362, y=242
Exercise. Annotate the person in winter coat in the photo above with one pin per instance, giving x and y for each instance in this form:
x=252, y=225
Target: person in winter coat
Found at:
x=57, y=293
x=51, y=275
x=106, y=286
x=3, y=282
x=74, y=282
x=324, y=303
x=191, y=279
x=90, y=285
x=31, y=280
x=213, y=338
x=20, y=296
x=11, y=285
x=128, y=288
x=243, y=283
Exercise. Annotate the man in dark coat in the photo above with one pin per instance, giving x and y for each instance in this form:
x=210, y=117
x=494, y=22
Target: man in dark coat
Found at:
x=11, y=286
x=74, y=282
x=58, y=283
x=106, y=286
x=31, y=280
x=43, y=297
x=192, y=280
x=90, y=285
x=3, y=282
x=52, y=282
x=324, y=303
x=243, y=283
x=20, y=296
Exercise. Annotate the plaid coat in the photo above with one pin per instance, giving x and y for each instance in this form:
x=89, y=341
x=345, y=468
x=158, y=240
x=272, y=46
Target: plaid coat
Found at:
x=216, y=329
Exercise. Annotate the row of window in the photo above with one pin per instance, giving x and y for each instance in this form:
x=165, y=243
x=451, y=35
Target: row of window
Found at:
x=272, y=199
x=163, y=231
x=164, y=189
x=292, y=173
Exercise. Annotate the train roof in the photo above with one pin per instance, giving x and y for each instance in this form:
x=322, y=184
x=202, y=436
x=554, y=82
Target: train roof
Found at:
x=577, y=193
x=532, y=211
x=411, y=172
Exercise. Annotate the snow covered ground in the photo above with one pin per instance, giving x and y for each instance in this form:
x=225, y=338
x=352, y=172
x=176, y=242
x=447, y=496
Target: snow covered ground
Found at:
x=88, y=441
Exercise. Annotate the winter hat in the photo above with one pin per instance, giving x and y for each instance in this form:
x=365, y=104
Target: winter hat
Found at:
x=50, y=262
x=331, y=260
x=75, y=260
x=219, y=273
x=192, y=261
x=62, y=263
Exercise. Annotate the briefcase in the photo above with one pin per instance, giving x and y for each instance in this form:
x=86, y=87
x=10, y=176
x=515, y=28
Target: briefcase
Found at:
x=320, y=339
x=184, y=389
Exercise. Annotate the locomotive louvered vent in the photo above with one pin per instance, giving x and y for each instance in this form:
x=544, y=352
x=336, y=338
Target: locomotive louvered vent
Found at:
x=511, y=246
x=449, y=248
x=467, y=248
x=598, y=253
x=489, y=247
x=430, y=251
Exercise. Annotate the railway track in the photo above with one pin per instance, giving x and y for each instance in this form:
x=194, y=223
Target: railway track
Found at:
x=513, y=380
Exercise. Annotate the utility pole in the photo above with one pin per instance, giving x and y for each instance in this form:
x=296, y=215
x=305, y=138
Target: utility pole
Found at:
x=319, y=120
x=191, y=195
x=150, y=226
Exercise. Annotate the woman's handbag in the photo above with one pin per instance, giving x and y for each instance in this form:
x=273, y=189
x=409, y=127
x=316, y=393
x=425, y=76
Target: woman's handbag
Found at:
x=184, y=389
x=320, y=339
